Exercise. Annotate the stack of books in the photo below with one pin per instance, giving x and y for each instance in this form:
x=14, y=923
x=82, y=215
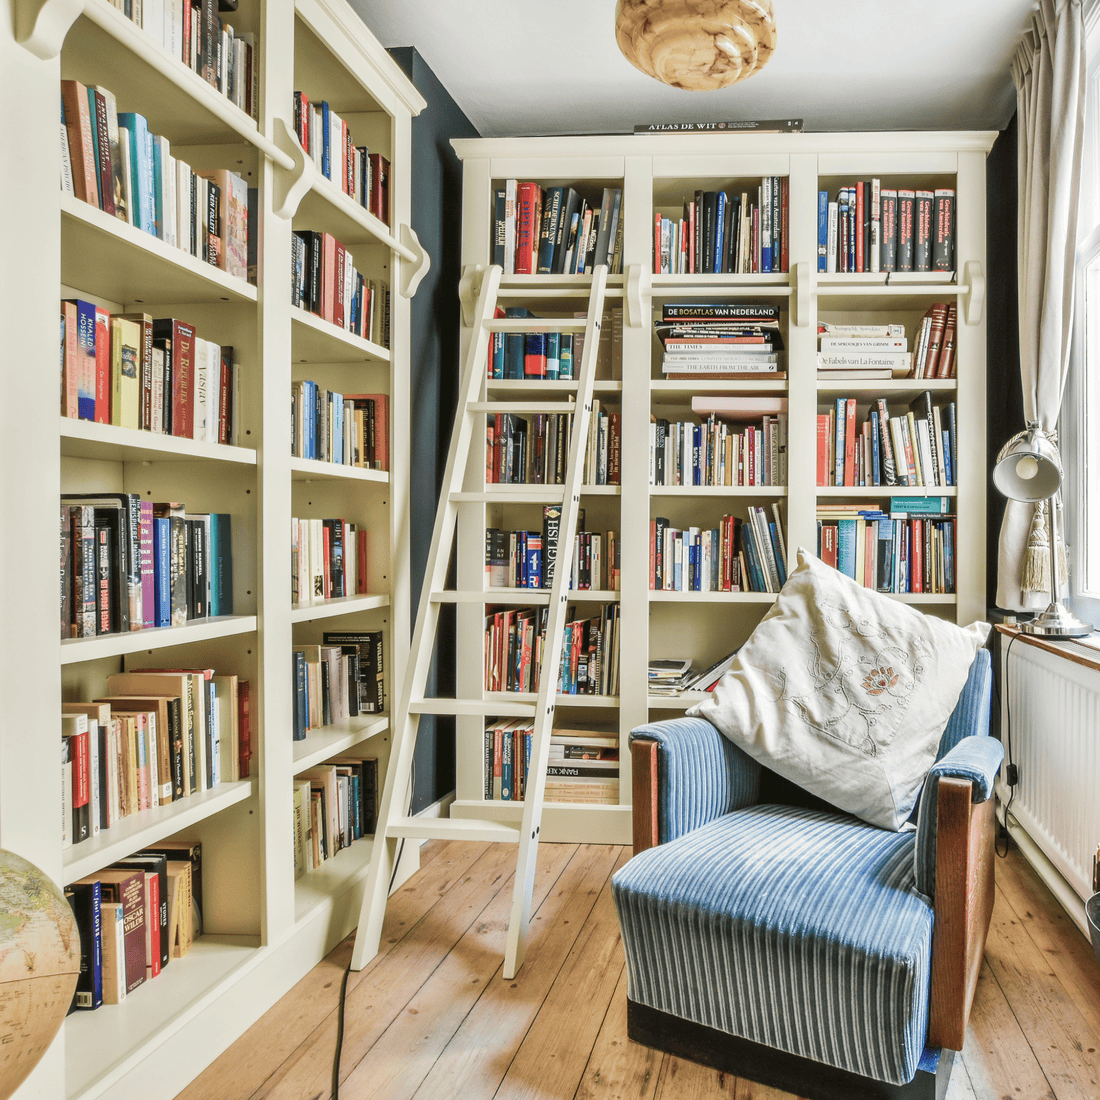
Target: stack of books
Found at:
x=862, y=352
x=670, y=676
x=583, y=766
x=334, y=805
x=720, y=340
x=337, y=680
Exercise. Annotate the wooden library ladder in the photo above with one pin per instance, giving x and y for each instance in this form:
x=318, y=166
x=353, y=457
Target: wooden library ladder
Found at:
x=393, y=823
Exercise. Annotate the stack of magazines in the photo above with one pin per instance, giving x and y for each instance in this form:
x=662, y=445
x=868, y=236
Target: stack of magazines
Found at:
x=676, y=675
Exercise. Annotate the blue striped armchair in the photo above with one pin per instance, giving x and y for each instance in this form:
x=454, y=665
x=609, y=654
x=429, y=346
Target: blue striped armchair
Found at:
x=776, y=938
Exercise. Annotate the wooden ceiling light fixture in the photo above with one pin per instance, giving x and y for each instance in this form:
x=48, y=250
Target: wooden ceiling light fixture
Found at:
x=698, y=45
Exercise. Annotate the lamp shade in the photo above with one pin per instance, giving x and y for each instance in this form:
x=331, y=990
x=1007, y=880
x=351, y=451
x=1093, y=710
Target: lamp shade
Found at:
x=698, y=45
x=1028, y=467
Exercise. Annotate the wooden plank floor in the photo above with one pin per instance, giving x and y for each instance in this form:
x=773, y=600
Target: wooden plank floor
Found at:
x=432, y=1016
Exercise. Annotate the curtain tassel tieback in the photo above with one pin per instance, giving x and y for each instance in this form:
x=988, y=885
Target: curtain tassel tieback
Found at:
x=1036, y=570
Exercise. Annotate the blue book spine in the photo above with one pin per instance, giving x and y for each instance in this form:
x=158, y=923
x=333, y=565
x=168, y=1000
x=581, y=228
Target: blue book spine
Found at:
x=498, y=355
x=533, y=556
x=715, y=559
x=719, y=231
x=95, y=141
x=507, y=771
x=521, y=561
x=212, y=565
x=553, y=355
x=822, y=230
x=514, y=345
x=773, y=532
x=838, y=467
x=697, y=454
x=338, y=434
x=565, y=368
x=136, y=126
x=884, y=578
x=953, y=450
x=876, y=464
x=948, y=465
x=534, y=353
x=85, y=338
x=752, y=559
x=224, y=562
x=846, y=547
x=159, y=171
x=678, y=565
x=300, y=697
x=526, y=759
x=326, y=147
x=162, y=572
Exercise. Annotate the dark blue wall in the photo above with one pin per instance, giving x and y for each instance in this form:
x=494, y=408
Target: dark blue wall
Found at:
x=437, y=220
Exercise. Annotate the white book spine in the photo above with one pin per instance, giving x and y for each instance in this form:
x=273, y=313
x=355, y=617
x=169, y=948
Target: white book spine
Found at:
x=830, y=260
x=66, y=162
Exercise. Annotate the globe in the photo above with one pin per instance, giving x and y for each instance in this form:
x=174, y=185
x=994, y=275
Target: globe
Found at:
x=39, y=964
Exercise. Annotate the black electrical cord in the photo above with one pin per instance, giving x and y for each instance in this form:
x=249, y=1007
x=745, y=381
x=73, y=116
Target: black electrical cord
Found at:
x=1009, y=766
x=347, y=972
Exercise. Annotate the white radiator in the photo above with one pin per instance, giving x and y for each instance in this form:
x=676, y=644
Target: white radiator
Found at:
x=1053, y=706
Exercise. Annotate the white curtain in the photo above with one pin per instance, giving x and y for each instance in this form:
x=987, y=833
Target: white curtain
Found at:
x=1049, y=73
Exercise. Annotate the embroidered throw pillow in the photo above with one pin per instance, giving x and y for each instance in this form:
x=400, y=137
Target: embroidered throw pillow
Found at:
x=845, y=692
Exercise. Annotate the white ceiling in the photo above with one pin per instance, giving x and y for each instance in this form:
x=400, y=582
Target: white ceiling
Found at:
x=517, y=67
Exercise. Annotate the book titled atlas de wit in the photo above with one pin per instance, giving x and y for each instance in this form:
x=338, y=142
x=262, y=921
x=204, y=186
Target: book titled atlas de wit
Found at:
x=745, y=125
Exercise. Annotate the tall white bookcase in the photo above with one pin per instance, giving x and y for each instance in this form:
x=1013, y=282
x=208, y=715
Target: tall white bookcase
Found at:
x=658, y=173
x=263, y=928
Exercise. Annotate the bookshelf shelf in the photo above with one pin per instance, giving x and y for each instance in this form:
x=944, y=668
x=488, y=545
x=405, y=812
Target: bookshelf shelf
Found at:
x=76, y=650
x=143, y=829
x=125, y=264
x=607, y=702
x=658, y=174
x=521, y=596
x=316, y=889
x=310, y=469
x=103, y=1047
x=527, y=387
x=315, y=340
x=106, y=442
x=327, y=741
x=340, y=605
x=325, y=206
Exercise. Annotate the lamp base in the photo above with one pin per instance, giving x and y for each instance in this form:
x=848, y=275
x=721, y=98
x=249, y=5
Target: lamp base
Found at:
x=1056, y=622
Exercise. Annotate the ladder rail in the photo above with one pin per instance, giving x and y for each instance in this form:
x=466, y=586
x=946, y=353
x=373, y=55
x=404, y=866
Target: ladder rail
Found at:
x=519, y=922
x=399, y=771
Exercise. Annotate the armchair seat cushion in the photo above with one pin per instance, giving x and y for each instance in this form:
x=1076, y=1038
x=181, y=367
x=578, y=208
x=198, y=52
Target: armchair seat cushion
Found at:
x=798, y=929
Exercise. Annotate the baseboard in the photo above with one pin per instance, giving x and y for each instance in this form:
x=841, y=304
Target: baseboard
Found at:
x=441, y=807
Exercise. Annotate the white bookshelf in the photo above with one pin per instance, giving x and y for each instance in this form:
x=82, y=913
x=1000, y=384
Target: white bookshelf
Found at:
x=263, y=929
x=657, y=173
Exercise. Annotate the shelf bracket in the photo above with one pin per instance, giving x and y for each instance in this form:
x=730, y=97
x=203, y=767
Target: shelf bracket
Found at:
x=469, y=289
x=974, y=295
x=291, y=184
x=41, y=25
x=639, y=286
x=412, y=271
x=800, y=294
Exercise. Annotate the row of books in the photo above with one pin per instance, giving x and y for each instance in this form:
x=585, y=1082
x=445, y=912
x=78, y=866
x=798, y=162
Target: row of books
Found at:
x=882, y=351
x=720, y=234
x=720, y=339
x=154, y=375
x=350, y=429
x=359, y=173
x=325, y=281
x=157, y=736
x=556, y=230
x=673, y=676
x=514, y=651
x=340, y=679
x=131, y=564
x=335, y=804
x=515, y=559
x=909, y=549
x=111, y=160
x=554, y=356
x=715, y=453
x=868, y=227
x=534, y=450
x=917, y=448
x=328, y=559
x=582, y=766
x=194, y=33
x=133, y=919
x=736, y=556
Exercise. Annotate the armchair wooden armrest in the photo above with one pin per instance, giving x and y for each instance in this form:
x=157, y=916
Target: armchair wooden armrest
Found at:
x=643, y=762
x=963, y=908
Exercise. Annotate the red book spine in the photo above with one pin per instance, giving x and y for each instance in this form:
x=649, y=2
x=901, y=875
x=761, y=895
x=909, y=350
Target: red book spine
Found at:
x=152, y=924
x=328, y=276
x=526, y=228
x=183, y=371
x=657, y=243
x=614, y=448
x=103, y=365
x=828, y=544
x=691, y=238
x=917, y=571
x=78, y=750
x=785, y=206
x=652, y=554
x=327, y=556
x=860, y=265
x=244, y=728
x=223, y=397
x=338, y=288
x=361, y=550
x=823, y=449
x=850, y=442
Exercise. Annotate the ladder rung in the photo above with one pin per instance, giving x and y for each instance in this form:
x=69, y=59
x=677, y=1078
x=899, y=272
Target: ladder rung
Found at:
x=523, y=406
x=537, y=324
x=458, y=828
x=514, y=494
x=507, y=708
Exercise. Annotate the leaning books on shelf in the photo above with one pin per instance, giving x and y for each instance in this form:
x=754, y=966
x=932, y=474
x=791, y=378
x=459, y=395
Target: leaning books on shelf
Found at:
x=350, y=429
x=328, y=559
x=720, y=340
x=909, y=550
x=866, y=227
x=723, y=234
x=737, y=556
x=132, y=564
x=554, y=356
x=134, y=918
x=918, y=447
x=157, y=736
x=359, y=173
x=515, y=559
x=340, y=679
x=514, y=651
x=150, y=374
x=325, y=281
x=117, y=165
x=534, y=449
x=582, y=767
x=714, y=453
x=556, y=231
x=334, y=806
